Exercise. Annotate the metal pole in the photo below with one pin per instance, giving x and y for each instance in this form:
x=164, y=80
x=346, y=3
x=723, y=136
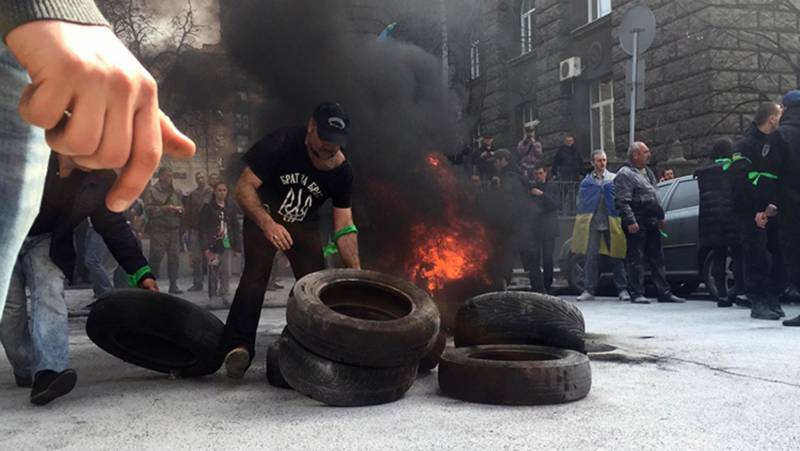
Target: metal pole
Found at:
x=635, y=71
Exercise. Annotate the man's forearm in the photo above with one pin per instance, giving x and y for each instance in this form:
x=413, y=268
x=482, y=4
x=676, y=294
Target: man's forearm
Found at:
x=248, y=199
x=348, y=249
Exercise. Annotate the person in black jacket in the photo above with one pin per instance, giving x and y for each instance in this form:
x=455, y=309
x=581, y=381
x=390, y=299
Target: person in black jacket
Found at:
x=39, y=354
x=779, y=185
x=543, y=224
x=220, y=236
x=716, y=230
x=568, y=162
x=759, y=275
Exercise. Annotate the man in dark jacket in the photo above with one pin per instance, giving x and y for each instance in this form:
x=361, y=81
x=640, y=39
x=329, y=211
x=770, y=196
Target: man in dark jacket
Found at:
x=779, y=185
x=543, y=224
x=39, y=354
x=567, y=162
x=716, y=230
x=760, y=277
x=642, y=219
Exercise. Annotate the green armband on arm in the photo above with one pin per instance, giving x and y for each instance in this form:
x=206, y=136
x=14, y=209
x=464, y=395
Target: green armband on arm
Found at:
x=331, y=248
x=136, y=278
x=756, y=176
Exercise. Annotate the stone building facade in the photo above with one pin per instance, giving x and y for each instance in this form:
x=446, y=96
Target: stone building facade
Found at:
x=711, y=64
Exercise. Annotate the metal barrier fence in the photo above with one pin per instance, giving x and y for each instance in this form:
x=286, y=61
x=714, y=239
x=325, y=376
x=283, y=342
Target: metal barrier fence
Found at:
x=567, y=195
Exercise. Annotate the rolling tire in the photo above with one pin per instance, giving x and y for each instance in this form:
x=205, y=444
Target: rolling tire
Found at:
x=338, y=384
x=157, y=331
x=515, y=374
x=362, y=318
x=520, y=318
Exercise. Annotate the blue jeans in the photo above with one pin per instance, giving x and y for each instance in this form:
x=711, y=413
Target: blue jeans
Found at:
x=99, y=262
x=23, y=166
x=44, y=345
x=593, y=255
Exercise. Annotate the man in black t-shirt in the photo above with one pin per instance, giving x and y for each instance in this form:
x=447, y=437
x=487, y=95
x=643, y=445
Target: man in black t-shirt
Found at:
x=289, y=174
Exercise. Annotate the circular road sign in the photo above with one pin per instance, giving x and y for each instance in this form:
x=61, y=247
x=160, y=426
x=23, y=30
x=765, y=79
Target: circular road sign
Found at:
x=639, y=18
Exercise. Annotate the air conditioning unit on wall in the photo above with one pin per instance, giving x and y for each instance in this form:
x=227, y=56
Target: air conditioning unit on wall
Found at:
x=570, y=68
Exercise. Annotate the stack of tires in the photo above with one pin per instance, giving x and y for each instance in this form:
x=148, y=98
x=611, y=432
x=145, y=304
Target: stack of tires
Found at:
x=517, y=348
x=354, y=338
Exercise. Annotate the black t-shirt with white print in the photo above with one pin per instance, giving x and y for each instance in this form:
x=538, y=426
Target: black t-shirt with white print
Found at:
x=292, y=187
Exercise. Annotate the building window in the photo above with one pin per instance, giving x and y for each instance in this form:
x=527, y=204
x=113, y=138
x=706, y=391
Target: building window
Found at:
x=526, y=28
x=242, y=121
x=528, y=114
x=474, y=60
x=242, y=142
x=598, y=9
x=601, y=112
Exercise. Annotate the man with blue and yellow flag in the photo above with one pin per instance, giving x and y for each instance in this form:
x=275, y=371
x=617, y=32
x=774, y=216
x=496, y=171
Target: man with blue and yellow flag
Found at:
x=598, y=228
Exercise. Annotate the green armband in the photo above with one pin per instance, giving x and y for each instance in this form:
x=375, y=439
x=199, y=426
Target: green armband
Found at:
x=663, y=234
x=134, y=279
x=331, y=248
x=756, y=176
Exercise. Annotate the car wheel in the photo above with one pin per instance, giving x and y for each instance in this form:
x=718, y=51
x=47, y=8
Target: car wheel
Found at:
x=708, y=275
x=362, y=318
x=157, y=331
x=509, y=317
x=575, y=273
x=515, y=374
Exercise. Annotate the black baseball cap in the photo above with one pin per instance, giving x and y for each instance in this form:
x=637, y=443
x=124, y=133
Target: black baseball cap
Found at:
x=332, y=123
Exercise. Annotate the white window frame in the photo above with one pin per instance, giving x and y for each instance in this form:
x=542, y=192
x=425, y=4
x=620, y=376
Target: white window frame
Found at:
x=599, y=105
x=475, y=60
x=526, y=26
x=603, y=8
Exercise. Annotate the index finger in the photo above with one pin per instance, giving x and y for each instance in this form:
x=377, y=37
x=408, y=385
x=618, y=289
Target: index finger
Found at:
x=143, y=161
x=288, y=237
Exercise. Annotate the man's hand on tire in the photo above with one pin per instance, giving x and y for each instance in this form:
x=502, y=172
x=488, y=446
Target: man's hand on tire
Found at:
x=149, y=284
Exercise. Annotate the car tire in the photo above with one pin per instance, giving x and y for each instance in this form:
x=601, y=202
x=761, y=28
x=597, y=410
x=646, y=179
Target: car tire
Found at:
x=362, y=318
x=520, y=318
x=431, y=359
x=339, y=384
x=274, y=375
x=157, y=331
x=708, y=275
x=515, y=374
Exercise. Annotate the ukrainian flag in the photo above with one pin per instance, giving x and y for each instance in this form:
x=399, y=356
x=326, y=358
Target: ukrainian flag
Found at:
x=588, y=201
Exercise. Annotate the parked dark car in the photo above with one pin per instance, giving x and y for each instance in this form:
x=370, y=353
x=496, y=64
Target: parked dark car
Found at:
x=687, y=264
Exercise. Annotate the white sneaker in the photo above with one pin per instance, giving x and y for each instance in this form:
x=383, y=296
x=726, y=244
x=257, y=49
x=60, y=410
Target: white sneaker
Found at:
x=585, y=296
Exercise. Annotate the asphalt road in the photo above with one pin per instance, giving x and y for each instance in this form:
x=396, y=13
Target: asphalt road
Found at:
x=688, y=376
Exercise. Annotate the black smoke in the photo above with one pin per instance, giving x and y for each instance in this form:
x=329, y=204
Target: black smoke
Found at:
x=307, y=51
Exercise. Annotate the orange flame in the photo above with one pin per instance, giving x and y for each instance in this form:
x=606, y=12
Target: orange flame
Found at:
x=453, y=252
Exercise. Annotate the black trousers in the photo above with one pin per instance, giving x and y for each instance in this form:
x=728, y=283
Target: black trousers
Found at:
x=720, y=256
x=790, y=247
x=538, y=261
x=644, y=248
x=759, y=274
x=305, y=256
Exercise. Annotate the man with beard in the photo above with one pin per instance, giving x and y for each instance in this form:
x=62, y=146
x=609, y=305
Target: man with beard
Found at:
x=289, y=175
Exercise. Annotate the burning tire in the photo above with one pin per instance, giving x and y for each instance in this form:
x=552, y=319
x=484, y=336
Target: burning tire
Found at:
x=338, y=384
x=274, y=375
x=362, y=318
x=509, y=317
x=157, y=331
x=431, y=359
x=515, y=374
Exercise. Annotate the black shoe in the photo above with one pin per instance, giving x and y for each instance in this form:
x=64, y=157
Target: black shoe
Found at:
x=794, y=322
x=275, y=287
x=790, y=294
x=742, y=301
x=236, y=362
x=722, y=303
x=640, y=300
x=761, y=310
x=49, y=385
x=196, y=287
x=175, y=290
x=672, y=299
x=23, y=382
